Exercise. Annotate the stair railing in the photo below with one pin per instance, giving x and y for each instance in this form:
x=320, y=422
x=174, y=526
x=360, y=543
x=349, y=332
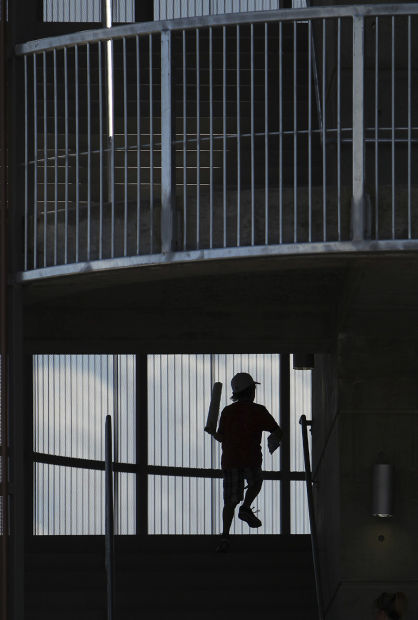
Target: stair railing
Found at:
x=109, y=522
x=314, y=534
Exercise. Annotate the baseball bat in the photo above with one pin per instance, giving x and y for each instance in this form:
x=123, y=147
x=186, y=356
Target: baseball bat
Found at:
x=214, y=407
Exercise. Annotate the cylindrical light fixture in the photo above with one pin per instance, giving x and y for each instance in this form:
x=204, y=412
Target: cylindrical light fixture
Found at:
x=303, y=361
x=383, y=484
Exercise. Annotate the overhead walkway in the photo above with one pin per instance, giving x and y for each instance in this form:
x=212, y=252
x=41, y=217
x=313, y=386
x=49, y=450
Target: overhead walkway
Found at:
x=257, y=134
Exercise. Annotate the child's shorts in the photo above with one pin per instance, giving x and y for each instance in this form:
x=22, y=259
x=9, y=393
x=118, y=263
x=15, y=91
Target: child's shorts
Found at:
x=234, y=482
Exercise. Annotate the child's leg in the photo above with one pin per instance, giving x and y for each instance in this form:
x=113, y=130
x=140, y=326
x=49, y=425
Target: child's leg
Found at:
x=233, y=494
x=252, y=491
x=255, y=482
x=227, y=516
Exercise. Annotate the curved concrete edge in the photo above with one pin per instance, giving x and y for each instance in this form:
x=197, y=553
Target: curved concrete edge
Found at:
x=221, y=254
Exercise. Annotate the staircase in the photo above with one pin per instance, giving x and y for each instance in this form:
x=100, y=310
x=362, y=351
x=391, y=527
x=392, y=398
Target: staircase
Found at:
x=171, y=578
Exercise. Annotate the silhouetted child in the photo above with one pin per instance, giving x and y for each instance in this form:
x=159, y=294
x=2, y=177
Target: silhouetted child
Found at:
x=240, y=428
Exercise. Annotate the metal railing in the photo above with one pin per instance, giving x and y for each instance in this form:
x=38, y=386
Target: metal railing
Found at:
x=314, y=534
x=4, y=331
x=219, y=138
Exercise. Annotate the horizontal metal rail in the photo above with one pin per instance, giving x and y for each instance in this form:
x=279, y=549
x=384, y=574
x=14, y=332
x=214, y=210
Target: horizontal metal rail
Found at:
x=157, y=470
x=232, y=19
x=264, y=129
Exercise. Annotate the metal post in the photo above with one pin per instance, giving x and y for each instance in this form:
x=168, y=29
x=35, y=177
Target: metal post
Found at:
x=109, y=529
x=285, y=448
x=314, y=537
x=4, y=526
x=167, y=164
x=357, y=215
x=141, y=444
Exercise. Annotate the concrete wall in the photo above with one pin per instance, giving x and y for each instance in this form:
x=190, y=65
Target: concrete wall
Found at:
x=326, y=469
x=365, y=403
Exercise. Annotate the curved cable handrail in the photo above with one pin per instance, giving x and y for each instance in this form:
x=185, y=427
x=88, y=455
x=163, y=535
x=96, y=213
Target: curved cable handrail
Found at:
x=314, y=534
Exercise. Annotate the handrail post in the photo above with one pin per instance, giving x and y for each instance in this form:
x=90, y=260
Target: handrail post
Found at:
x=109, y=524
x=358, y=199
x=314, y=536
x=167, y=155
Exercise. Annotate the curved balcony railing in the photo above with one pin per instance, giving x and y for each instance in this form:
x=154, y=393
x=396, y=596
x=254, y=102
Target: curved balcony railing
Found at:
x=239, y=134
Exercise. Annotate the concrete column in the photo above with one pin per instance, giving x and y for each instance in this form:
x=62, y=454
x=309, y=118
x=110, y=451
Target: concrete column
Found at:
x=365, y=403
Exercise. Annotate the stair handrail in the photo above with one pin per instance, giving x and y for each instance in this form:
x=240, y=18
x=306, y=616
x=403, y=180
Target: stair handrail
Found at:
x=109, y=520
x=314, y=534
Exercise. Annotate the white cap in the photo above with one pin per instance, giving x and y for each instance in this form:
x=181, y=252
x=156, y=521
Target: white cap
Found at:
x=241, y=381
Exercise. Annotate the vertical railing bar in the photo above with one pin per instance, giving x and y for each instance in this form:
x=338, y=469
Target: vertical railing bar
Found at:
x=393, y=124
x=376, y=130
x=26, y=244
x=324, y=136
x=224, y=129
x=252, y=136
x=88, y=152
x=45, y=158
x=266, y=144
x=111, y=142
x=55, y=160
x=125, y=142
x=168, y=177
x=101, y=176
x=77, y=187
x=238, y=138
x=197, y=141
x=295, y=146
x=409, y=128
x=310, y=130
x=211, y=137
x=280, y=133
x=339, y=128
x=66, y=176
x=138, y=150
x=184, y=145
x=358, y=129
x=110, y=146
x=151, y=145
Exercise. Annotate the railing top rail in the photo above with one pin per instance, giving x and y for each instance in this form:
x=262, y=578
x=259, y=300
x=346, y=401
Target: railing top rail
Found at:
x=232, y=19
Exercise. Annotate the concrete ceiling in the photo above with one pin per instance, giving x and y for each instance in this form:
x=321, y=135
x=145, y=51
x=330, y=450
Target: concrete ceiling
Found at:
x=263, y=305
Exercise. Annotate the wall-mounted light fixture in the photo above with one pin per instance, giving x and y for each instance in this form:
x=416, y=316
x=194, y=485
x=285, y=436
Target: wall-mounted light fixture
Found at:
x=303, y=361
x=383, y=487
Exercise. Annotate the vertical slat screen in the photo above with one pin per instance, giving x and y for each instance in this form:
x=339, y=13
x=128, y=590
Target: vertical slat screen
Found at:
x=300, y=404
x=174, y=9
x=82, y=11
x=179, y=389
x=299, y=516
x=72, y=395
